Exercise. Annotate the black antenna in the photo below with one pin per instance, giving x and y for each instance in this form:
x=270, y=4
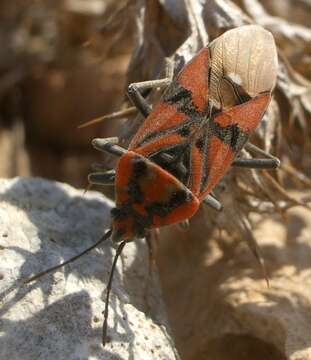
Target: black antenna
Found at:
x=105, y=312
x=52, y=269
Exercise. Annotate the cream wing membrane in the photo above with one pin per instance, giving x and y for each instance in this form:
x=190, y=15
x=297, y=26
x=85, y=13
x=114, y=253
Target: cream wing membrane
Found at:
x=243, y=64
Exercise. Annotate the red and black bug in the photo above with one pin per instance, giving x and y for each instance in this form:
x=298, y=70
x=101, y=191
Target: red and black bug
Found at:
x=191, y=138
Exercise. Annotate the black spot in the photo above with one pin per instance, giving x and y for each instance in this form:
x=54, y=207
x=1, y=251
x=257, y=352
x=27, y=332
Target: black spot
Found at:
x=178, y=198
x=231, y=135
x=118, y=213
x=139, y=167
x=184, y=131
x=135, y=192
x=175, y=159
x=163, y=209
x=139, y=230
x=200, y=144
x=209, y=74
x=176, y=94
x=235, y=131
x=157, y=208
x=118, y=234
x=181, y=98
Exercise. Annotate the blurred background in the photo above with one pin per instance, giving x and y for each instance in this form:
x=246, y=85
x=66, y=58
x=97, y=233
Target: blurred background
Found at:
x=62, y=63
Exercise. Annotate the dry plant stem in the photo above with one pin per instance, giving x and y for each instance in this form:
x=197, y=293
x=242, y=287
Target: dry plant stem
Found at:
x=266, y=191
x=116, y=115
x=293, y=33
x=252, y=243
x=279, y=188
x=296, y=174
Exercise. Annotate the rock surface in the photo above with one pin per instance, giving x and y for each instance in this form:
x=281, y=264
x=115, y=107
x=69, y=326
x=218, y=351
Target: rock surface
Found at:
x=225, y=311
x=59, y=316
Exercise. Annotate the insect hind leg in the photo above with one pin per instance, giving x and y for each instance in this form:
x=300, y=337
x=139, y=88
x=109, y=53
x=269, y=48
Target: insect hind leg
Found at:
x=212, y=202
x=269, y=162
x=257, y=163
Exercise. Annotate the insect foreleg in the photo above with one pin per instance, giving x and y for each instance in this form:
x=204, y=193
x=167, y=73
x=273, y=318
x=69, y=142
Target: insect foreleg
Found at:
x=135, y=93
x=213, y=202
x=108, y=145
x=100, y=178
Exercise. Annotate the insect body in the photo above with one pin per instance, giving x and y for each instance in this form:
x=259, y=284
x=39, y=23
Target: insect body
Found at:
x=191, y=138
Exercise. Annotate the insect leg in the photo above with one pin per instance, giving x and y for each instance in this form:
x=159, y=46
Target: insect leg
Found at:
x=152, y=249
x=271, y=162
x=255, y=149
x=101, y=167
x=106, y=310
x=213, y=202
x=184, y=225
x=108, y=145
x=257, y=163
x=151, y=252
x=100, y=178
x=135, y=90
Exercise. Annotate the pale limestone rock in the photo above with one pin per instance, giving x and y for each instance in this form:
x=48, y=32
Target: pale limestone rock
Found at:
x=60, y=315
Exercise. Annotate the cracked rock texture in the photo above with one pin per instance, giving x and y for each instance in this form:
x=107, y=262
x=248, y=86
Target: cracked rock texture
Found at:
x=59, y=316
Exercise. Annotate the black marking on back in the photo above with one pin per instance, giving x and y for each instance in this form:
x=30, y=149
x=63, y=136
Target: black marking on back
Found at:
x=181, y=98
x=118, y=213
x=139, y=167
x=163, y=209
x=200, y=144
x=139, y=170
x=181, y=129
x=230, y=135
x=134, y=192
x=185, y=130
x=175, y=159
x=205, y=166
